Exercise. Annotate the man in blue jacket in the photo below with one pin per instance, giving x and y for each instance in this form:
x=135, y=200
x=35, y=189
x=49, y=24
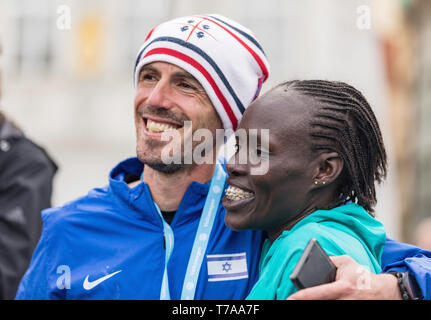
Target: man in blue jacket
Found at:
x=157, y=231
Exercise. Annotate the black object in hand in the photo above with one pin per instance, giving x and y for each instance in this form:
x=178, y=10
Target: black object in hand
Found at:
x=313, y=268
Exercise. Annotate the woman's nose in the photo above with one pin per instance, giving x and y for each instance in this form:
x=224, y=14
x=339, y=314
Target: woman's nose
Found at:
x=236, y=167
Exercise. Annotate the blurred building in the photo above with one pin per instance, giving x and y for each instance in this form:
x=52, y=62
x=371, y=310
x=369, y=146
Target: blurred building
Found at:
x=68, y=77
x=419, y=20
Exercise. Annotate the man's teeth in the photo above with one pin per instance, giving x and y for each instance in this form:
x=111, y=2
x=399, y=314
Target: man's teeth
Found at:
x=234, y=193
x=157, y=127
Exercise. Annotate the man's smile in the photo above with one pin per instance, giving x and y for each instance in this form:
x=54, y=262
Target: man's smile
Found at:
x=155, y=126
x=159, y=126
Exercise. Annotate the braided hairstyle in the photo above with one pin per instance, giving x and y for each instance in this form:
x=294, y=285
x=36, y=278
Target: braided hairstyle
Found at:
x=344, y=122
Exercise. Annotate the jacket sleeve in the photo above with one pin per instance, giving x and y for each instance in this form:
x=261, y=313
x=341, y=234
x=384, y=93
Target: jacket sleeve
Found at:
x=34, y=284
x=25, y=189
x=403, y=257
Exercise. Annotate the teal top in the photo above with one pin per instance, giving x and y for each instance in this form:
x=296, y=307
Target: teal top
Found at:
x=347, y=229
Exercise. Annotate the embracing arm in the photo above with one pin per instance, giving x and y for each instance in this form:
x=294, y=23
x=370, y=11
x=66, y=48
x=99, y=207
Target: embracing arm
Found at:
x=352, y=282
x=402, y=257
x=397, y=257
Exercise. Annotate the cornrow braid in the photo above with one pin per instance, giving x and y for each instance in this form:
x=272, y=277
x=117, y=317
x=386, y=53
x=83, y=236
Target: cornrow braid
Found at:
x=345, y=123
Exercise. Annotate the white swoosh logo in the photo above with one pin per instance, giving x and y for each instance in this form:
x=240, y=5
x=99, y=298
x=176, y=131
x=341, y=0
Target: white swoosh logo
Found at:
x=88, y=285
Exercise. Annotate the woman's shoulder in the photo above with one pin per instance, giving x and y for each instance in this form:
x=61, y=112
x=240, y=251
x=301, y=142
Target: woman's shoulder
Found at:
x=362, y=238
x=328, y=236
x=344, y=225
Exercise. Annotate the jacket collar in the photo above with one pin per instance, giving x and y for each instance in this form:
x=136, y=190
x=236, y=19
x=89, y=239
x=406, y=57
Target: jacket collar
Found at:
x=139, y=198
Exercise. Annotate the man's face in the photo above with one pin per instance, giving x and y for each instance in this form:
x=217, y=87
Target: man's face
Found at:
x=272, y=199
x=166, y=97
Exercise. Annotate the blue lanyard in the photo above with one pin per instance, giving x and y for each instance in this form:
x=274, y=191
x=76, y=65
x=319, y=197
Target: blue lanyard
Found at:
x=202, y=235
x=201, y=239
x=168, y=237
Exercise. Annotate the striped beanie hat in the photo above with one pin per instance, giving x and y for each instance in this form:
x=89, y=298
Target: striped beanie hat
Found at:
x=221, y=54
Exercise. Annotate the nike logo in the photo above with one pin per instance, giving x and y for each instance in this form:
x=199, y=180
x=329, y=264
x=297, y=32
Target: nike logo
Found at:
x=88, y=285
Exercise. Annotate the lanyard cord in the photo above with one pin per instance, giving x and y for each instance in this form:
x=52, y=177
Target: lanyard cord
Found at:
x=168, y=238
x=202, y=235
x=201, y=240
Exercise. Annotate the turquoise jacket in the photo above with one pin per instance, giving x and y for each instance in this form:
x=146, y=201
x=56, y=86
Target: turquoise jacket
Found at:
x=347, y=229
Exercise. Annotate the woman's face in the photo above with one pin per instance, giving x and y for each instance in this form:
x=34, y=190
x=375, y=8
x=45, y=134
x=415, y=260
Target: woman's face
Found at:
x=270, y=200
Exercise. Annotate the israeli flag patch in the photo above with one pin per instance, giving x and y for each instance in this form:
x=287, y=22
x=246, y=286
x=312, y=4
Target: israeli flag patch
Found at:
x=222, y=267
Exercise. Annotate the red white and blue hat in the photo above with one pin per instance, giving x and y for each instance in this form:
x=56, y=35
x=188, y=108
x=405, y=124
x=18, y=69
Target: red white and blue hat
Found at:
x=225, y=57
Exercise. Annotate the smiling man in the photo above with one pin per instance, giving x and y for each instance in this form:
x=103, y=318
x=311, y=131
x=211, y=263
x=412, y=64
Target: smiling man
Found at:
x=167, y=97
x=166, y=100
x=157, y=230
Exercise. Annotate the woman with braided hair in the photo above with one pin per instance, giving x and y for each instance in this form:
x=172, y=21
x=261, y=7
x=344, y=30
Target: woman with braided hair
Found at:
x=325, y=155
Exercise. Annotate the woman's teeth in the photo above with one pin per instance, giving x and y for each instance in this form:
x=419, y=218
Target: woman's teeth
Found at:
x=157, y=127
x=234, y=193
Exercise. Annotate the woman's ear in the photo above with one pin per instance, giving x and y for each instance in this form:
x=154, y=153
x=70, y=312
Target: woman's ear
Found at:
x=329, y=167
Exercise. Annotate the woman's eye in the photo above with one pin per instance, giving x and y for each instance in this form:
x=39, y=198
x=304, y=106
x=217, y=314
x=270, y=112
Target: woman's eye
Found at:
x=262, y=153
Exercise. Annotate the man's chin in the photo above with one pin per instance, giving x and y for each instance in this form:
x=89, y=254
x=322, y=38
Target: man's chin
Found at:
x=163, y=167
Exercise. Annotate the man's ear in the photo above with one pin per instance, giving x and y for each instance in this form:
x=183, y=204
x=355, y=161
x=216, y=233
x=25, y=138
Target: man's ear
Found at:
x=329, y=167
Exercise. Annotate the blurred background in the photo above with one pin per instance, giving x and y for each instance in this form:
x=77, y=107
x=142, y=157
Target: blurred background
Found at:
x=66, y=79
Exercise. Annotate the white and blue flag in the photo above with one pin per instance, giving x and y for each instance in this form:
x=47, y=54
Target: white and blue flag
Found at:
x=222, y=267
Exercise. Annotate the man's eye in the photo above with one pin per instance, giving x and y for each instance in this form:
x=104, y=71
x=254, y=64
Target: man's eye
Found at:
x=186, y=85
x=147, y=77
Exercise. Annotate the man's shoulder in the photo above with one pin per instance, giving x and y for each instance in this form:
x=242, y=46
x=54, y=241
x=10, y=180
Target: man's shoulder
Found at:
x=96, y=204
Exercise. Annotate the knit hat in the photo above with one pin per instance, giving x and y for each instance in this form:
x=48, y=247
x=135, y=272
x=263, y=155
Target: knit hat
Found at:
x=221, y=54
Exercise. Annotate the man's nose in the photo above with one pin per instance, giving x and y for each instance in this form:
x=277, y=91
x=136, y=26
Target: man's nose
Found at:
x=160, y=95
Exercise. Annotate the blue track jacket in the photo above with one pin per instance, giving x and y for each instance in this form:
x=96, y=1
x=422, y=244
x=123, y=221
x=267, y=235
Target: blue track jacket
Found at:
x=115, y=234
x=109, y=244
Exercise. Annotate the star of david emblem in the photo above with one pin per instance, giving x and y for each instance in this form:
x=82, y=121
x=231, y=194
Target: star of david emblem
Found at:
x=227, y=267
